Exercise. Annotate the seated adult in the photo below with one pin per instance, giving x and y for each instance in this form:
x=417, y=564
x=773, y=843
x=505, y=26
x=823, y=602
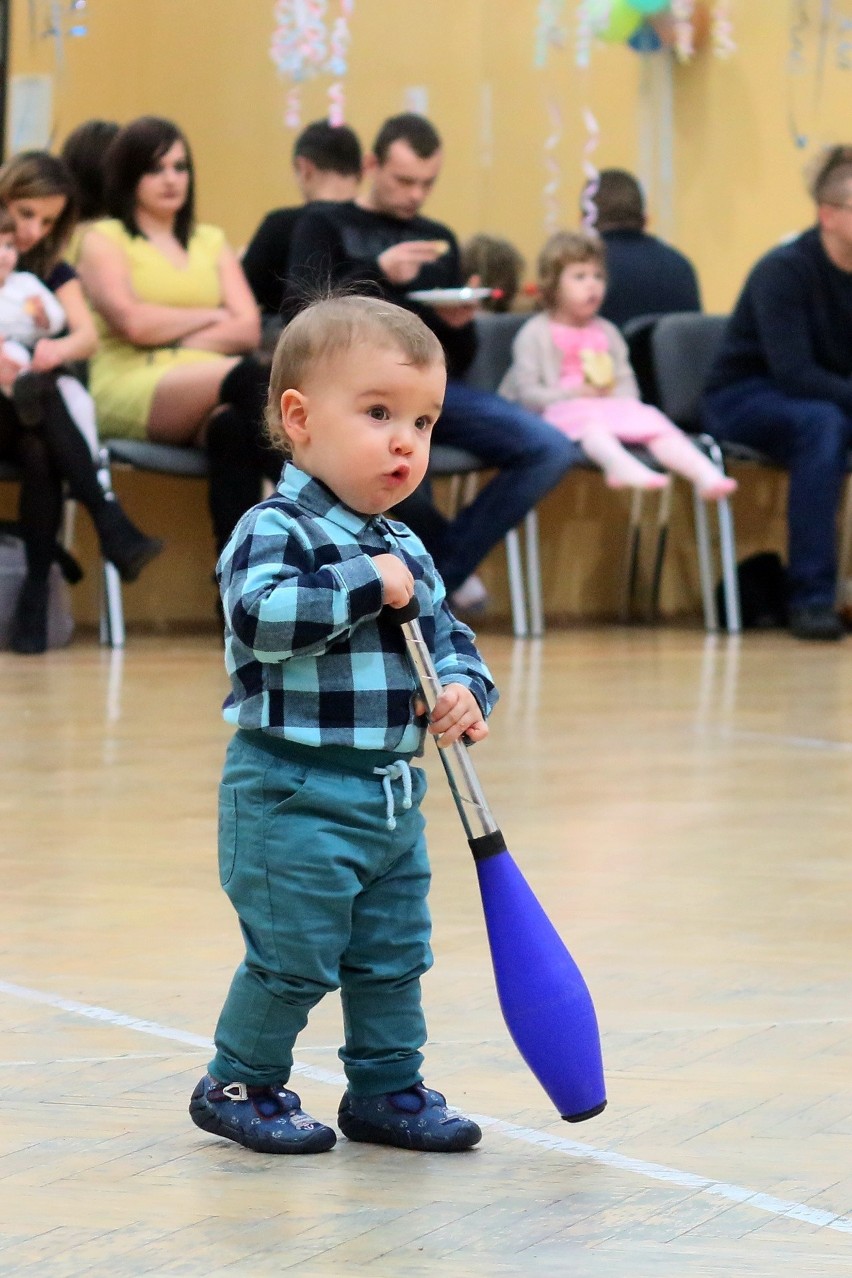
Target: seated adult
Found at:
x=176, y=315
x=327, y=166
x=382, y=244
x=645, y=275
x=84, y=155
x=38, y=429
x=498, y=265
x=782, y=383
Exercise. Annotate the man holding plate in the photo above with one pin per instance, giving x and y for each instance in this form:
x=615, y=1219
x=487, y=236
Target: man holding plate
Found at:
x=380, y=243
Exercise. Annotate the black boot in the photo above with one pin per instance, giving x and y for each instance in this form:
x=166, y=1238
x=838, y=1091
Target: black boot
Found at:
x=29, y=624
x=122, y=543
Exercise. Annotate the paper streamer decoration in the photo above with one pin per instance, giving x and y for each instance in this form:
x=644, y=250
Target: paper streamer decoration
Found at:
x=549, y=32
x=592, y=174
x=551, y=163
x=302, y=47
x=722, y=30
x=810, y=29
x=584, y=36
x=683, y=12
x=844, y=44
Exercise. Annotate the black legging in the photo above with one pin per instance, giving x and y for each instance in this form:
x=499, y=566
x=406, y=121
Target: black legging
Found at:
x=50, y=450
x=239, y=454
x=40, y=502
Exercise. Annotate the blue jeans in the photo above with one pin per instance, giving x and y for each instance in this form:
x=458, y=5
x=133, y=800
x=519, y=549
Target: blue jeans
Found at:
x=810, y=437
x=529, y=455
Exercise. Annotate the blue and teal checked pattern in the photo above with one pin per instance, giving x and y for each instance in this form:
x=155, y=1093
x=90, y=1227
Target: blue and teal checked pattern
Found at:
x=307, y=657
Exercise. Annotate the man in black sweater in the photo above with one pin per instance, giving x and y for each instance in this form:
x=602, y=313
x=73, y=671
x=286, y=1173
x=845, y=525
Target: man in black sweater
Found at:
x=782, y=383
x=327, y=166
x=380, y=244
x=645, y=276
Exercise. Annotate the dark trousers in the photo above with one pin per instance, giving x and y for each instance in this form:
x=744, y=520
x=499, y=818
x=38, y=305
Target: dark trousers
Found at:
x=810, y=438
x=530, y=458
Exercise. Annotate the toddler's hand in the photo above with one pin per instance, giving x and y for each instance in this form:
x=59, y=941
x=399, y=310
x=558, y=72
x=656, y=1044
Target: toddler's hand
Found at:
x=456, y=714
x=397, y=581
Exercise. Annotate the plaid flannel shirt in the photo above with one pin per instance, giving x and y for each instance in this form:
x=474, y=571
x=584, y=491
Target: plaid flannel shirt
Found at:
x=307, y=658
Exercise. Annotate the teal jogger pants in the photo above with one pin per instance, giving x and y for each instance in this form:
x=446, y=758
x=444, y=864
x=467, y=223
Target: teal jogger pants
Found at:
x=327, y=896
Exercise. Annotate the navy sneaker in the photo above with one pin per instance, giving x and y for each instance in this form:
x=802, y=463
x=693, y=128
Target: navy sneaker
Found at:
x=417, y=1118
x=268, y=1119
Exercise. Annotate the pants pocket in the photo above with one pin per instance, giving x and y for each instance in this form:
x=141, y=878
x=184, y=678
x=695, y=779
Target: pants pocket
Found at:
x=227, y=832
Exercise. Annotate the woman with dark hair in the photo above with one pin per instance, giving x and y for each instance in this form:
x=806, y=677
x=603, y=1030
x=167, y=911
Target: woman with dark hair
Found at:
x=36, y=429
x=84, y=155
x=176, y=314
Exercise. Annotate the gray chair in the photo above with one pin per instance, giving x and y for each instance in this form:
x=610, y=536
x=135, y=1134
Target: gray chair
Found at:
x=495, y=335
x=684, y=347
x=157, y=459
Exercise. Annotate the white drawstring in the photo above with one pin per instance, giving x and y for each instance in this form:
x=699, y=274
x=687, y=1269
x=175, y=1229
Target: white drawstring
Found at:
x=397, y=771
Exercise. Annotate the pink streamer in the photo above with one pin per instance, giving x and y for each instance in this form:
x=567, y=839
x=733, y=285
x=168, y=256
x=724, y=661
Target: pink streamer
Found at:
x=336, y=102
x=724, y=45
x=683, y=12
x=551, y=189
x=293, y=111
x=592, y=173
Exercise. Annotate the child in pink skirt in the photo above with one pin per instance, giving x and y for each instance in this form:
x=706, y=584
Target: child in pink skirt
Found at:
x=572, y=367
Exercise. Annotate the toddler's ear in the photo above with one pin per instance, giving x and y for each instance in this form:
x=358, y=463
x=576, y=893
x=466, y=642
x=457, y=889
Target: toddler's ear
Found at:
x=294, y=416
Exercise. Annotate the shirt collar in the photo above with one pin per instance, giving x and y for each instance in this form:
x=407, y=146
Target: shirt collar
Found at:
x=313, y=496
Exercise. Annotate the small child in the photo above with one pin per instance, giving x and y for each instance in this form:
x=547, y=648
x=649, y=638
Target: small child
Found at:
x=321, y=847
x=572, y=366
x=28, y=310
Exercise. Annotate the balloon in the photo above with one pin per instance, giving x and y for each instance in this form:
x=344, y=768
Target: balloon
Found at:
x=647, y=7
x=623, y=21
x=645, y=40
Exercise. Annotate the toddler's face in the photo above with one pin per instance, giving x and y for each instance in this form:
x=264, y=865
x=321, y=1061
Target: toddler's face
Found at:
x=362, y=424
x=581, y=291
x=8, y=256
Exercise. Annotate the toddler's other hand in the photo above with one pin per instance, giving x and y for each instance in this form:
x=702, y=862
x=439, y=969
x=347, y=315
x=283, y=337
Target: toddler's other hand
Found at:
x=456, y=715
x=397, y=581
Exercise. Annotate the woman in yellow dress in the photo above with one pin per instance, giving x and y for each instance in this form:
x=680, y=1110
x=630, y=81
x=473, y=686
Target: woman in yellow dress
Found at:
x=175, y=315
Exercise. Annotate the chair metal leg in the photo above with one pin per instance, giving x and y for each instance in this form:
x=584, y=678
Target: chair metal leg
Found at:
x=845, y=551
x=728, y=553
x=112, y=611
x=727, y=545
x=534, y=574
x=516, y=584
x=112, y=608
x=631, y=562
x=664, y=510
x=705, y=564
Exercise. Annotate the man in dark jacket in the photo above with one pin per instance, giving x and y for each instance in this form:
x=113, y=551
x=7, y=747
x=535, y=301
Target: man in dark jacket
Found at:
x=381, y=244
x=782, y=383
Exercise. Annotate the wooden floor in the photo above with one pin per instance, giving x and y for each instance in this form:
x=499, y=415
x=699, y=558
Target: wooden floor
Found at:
x=682, y=807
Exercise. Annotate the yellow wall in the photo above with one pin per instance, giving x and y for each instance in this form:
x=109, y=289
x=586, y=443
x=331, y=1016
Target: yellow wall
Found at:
x=737, y=188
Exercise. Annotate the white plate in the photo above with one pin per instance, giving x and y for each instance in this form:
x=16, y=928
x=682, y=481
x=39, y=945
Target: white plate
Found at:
x=450, y=296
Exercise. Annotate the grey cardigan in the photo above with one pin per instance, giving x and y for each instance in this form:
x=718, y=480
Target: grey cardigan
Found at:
x=533, y=379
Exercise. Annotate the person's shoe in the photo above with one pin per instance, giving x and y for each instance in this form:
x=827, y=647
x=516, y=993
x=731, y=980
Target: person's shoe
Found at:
x=471, y=595
x=268, y=1119
x=29, y=624
x=819, y=621
x=417, y=1118
x=122, y=542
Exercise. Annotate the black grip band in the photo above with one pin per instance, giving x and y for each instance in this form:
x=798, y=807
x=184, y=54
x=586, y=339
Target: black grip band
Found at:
x=399, y=615
x=487, y=845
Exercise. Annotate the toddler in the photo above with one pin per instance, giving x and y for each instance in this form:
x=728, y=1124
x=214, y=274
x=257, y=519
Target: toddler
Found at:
x=572, y=367
x=28, y=310
x=321, y=847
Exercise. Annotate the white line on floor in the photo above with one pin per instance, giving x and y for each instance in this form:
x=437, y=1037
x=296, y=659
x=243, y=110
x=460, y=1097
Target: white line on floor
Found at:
x=526, y=1135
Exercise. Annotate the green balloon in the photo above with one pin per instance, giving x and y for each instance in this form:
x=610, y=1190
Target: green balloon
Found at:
x=649, y=7
x=623, y=21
